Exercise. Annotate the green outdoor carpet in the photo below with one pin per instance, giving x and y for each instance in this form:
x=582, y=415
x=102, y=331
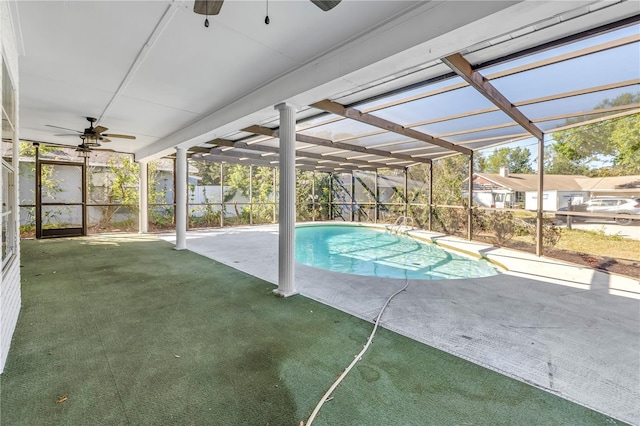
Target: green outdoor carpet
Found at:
x=132, y=332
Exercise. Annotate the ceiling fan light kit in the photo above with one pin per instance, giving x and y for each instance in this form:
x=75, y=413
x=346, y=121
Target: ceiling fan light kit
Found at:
x=92, y=137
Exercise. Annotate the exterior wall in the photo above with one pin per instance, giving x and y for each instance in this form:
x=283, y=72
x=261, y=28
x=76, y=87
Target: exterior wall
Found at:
x=10, y=301
x=483, y=199
x=10, y=298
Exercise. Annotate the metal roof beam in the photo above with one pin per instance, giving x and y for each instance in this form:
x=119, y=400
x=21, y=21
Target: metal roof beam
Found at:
x=262, y=163
x=372, y=120
x=256, y=160
x=476, y=80
x=276, y=159
x=275, y=150
x=260, y=130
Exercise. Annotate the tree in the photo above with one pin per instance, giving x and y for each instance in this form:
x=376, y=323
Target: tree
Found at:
x=209, y=171
x=115, y=189
x=608, y=147
x=555, y=164
x=626, y=136
x=517, y=160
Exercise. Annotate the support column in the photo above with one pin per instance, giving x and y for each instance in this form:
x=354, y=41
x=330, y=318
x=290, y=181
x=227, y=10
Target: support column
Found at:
x=222, y=207
x=287, y=202
x=539, y=223
x=430, y=195
x=250, y=194
x=143, y=202
x=376, y=209
x=313, y=196
x=181, y=198
x=331, y=196
x=406, y=196
x=353, y=196
x=470, y=199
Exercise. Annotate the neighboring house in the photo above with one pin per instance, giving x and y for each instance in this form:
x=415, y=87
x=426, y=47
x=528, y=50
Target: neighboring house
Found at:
x=505, y=190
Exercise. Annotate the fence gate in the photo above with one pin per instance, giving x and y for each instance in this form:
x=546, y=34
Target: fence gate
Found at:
x=60, y=199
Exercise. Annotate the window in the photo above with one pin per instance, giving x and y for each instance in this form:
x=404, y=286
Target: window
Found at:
x=8, y=222
x=9, y=145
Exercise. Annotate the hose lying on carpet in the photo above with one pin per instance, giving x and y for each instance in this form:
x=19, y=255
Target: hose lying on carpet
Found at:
x=358, y=357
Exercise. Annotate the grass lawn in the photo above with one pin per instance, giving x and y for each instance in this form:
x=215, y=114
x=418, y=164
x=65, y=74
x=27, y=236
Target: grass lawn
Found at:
x=599, y=244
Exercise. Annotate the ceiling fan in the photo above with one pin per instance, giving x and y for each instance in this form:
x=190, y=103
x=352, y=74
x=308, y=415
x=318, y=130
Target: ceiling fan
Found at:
x=91, y=137
x=212, y=7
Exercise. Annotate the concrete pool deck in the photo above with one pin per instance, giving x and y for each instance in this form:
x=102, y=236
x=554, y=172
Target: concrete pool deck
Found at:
x=570, y=330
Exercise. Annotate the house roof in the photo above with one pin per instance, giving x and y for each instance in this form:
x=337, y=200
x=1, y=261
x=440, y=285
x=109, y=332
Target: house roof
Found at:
x=619, y=183
x=529, y=182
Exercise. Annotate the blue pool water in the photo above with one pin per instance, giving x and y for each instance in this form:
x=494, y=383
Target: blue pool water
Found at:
x=378, y=253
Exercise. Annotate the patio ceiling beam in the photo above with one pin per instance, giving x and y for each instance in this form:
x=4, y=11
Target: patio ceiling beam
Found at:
x=276, y=150
x=372, y=120
x=568, y=56
x=476, y=80
x=256, y=160
x=267, y=131
x=275, y=159
x=589, y=112
x=263, y=163
x=596, y=120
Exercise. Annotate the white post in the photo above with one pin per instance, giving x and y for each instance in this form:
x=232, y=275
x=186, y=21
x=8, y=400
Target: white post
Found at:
x=181, y=198
x=287, y=202
x=143, y=219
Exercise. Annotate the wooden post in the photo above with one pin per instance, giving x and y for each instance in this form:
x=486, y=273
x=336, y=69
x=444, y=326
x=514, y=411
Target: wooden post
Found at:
x=221, y=194
x=430, y=195
x=331, y=196
x=250, y=194
x=313, y=196
x=539, y=219
x=470, y=199
x=353, y=199
x=406, y=196
x=377, y=195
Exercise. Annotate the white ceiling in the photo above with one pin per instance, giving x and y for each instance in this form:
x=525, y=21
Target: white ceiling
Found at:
x=151, y=68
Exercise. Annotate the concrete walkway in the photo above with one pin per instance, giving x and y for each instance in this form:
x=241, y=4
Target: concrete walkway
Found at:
x=572, y=331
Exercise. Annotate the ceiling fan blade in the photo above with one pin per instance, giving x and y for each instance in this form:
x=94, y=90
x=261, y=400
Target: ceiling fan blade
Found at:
x=326, y=5
x=103, y=139
x=63, y=128
x=113, y=135
x=68, y=134
x=207, y=7
x=100, y=129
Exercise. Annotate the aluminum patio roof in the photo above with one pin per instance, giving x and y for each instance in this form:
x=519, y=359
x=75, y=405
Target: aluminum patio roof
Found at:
x=525, y=94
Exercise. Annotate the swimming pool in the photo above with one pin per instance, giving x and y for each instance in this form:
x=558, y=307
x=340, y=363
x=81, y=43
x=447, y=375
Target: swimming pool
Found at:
x=367, y=251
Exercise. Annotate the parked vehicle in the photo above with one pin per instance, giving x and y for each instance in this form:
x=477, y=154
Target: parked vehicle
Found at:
x=609, y=205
